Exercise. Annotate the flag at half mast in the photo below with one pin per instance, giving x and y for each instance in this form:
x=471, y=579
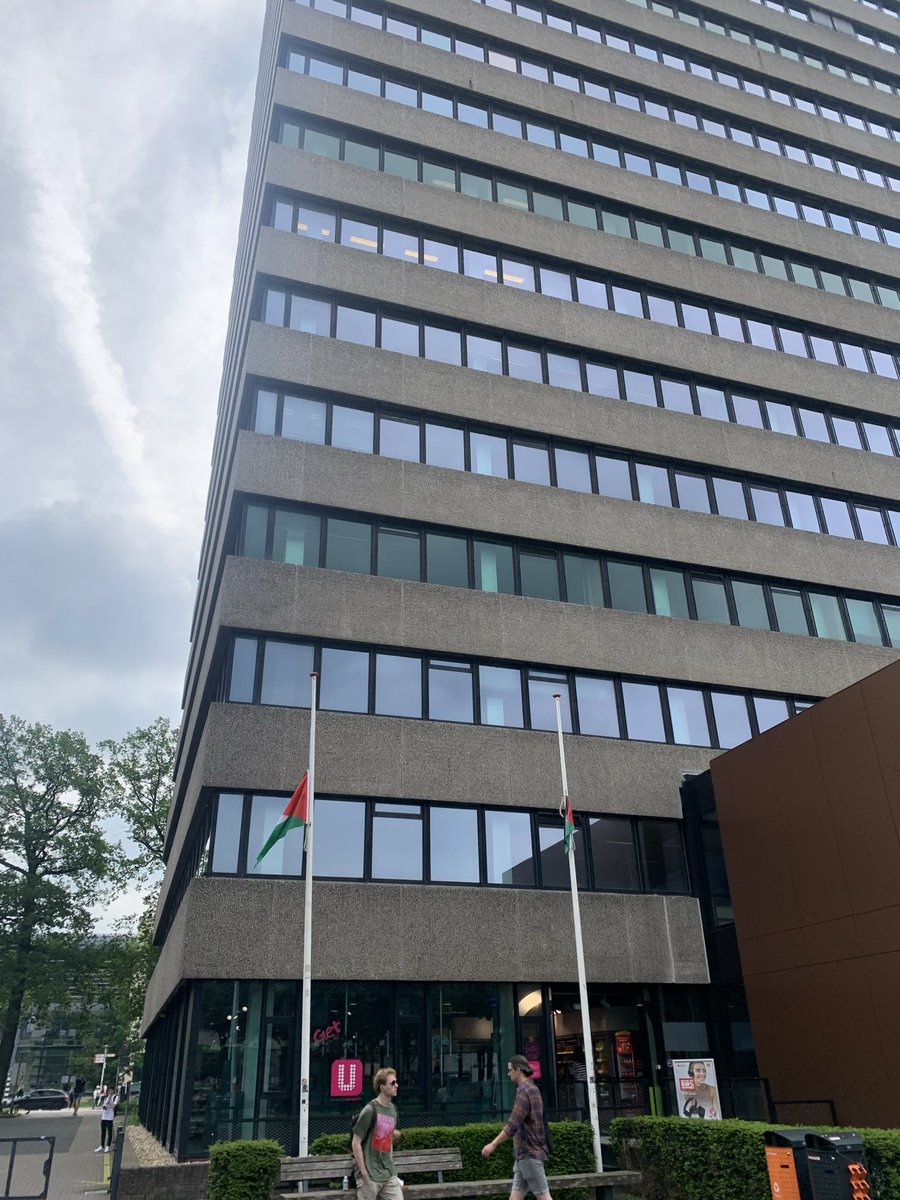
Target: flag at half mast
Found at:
x=568, y=825
x=295, y=816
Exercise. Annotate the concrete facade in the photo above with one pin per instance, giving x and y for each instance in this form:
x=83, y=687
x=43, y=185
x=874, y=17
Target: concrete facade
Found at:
x=215, y=928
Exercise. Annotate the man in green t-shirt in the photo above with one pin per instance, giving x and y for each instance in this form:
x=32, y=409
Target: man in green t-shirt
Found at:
x=373, y=1140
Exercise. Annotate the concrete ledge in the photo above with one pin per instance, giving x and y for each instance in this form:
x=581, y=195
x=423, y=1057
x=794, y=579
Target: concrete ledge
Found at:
x=186, y=1181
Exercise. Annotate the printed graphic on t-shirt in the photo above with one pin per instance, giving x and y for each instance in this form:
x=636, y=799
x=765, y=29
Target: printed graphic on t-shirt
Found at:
x=384, y=1127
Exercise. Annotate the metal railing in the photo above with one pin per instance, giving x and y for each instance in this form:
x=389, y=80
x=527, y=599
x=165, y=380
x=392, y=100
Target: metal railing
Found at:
x=23, y=1171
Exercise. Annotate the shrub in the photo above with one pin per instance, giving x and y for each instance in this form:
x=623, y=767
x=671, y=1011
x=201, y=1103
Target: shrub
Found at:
x=243, y=1170
x=725, y=1160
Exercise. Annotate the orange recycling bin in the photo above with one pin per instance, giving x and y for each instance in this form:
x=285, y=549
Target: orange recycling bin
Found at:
x=786, y=1164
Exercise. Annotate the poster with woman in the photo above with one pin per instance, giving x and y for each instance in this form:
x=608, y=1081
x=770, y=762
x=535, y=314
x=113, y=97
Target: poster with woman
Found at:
x=696, y=1088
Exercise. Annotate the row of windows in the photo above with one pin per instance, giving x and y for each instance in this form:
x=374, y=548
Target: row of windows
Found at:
x=453, y=175
x=817, y=16
x=372, y=429
x=744, y=498
x=325, y=139
x=392, y=683
x=396, y=550
x=287, y=212
x=558, y=17
x=376, y=16
x=389, y=840
x=630, y=297
x=887, y=9
x=652, y=103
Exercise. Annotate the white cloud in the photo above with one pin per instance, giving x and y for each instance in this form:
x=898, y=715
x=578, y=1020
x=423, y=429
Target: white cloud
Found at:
x=125, y=132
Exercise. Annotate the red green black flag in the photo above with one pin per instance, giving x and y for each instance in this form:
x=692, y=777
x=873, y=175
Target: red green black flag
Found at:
x=569, y=825
x=294, y=816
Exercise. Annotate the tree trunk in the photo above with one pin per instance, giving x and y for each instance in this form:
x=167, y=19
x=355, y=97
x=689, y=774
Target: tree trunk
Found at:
x=11, y=1020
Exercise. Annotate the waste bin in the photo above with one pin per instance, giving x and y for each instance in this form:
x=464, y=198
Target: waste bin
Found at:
x=786, y=1153
x=837, y=1166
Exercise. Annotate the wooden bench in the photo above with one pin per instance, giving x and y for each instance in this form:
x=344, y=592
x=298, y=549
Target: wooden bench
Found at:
x=317, y=1168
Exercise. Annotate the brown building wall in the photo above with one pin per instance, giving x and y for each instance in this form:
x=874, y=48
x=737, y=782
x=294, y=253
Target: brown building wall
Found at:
x=810, y=820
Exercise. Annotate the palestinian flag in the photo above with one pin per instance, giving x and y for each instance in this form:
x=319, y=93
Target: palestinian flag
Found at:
x=569, y=826
x=295, y=816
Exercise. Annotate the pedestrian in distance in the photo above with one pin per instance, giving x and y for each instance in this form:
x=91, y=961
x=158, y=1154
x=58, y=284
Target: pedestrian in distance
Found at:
x=526, y=1127
x=372, y=1143
x=97, y=1096
x=77, y=1093
x=107, y=1117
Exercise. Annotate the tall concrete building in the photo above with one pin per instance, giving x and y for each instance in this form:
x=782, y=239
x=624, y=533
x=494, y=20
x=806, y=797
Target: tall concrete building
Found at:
x=561, y=359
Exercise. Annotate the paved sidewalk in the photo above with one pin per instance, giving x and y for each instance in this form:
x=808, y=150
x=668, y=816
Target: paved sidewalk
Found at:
x=76, y=1171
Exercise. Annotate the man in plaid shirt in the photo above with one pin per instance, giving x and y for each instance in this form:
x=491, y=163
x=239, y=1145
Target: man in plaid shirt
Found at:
x=526, y=1127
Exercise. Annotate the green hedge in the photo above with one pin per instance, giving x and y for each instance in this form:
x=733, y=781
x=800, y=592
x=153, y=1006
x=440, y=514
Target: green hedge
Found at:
x=725, y=1160
x=572, y=1148
x=243, y=1170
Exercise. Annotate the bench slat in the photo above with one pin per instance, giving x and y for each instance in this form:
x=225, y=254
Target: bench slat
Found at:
x=334, y=1166
x=603, y=1181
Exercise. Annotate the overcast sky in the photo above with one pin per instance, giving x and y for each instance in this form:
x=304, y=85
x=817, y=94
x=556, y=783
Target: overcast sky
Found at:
x=124, y=127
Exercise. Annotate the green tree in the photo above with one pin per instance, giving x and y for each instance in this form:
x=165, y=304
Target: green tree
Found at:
x=52, y=847
x=140, y=786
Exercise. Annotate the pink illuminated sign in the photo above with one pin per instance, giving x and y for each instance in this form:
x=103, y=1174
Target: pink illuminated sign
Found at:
x=346, y=1077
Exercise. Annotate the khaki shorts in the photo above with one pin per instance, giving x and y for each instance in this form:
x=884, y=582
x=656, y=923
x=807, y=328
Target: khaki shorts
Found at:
x=529, y=1176
x=390, y=1189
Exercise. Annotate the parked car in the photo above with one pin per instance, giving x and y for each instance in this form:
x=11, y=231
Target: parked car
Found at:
x=43, y=1098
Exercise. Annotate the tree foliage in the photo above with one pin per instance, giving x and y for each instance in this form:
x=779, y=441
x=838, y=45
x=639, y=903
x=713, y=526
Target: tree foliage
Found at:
x=140, y=787
x=53, y=849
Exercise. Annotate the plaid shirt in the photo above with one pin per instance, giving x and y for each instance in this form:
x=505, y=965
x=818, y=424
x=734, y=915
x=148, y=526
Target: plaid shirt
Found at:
x=526, y=1123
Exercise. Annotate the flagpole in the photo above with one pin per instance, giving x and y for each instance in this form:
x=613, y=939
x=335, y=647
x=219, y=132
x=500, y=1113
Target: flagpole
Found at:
x=579, y=954
x=305, y=1011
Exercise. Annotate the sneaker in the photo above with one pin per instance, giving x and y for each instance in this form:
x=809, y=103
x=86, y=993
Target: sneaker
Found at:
x=107, y=1149
x=98, y=1150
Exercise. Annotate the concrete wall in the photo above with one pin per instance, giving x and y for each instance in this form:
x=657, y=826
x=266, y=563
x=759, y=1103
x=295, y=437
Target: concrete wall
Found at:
x=253, y=928
x=186, y=1181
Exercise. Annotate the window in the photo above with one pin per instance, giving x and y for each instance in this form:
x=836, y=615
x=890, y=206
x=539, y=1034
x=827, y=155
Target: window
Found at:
x=446, y=560
x=500, y=696
x=396, y=841
x=304, y=419
x=539, y=575
x=345, y=680
x=398, y=554
x=509, y=850
x=553, y=858
x=688, y=712
x=669, y=593
x=614, y=854
x=286, y=855
x=340, y=838
x=643, y=712
x=285, y=676
x=542, y=687
x=626, y=586
x=597, y=711
x=454, y=845
x=663, y=853
x=732, y=721
x=450, y=691
x=494, y=567
x=349, y=546
x=399, y=439
x=296, y=538
x=227, y=837
x=352, y=428
x=583, y=582
x=398, y=685
x=243, y=670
